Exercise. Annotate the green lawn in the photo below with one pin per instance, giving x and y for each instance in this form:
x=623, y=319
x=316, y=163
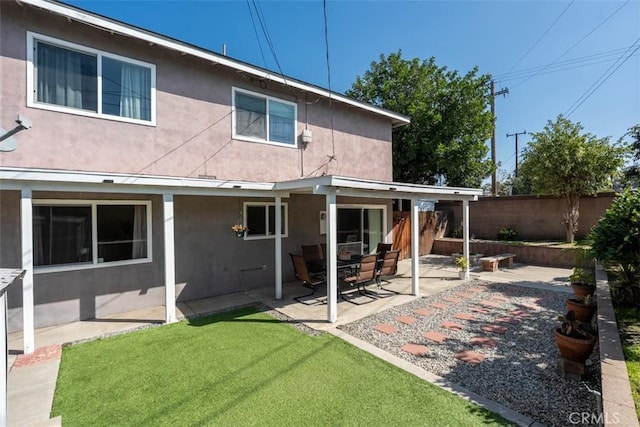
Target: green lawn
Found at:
x=245, y=368
x=629, y=326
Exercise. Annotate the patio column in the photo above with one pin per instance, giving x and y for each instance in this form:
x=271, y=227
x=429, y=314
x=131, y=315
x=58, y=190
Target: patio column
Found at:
x=465, y=235
x=26, y=235
x=332, y=256
x=415, y=248
x=278, y=248
x=169, y=259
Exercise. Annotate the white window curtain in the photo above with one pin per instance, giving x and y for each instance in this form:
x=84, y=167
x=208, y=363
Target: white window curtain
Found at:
x=135, y=94
x=139, y=247
x=281, y=122
x=59, y=76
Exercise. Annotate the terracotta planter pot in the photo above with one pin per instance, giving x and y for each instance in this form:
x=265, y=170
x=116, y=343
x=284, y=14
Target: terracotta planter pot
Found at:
x=574, y=349
x=583, y=312
x=581, y=291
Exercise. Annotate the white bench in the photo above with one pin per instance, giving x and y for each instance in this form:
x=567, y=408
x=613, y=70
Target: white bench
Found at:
x=491, y=263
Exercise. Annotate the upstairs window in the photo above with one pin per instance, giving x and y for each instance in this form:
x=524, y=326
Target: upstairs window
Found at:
x=262, y=118
x=79, y=80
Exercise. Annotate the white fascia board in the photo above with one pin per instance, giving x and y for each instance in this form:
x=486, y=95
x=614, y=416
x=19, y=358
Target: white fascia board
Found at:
x=58, y=180
x=367, y=188
x=114, y=26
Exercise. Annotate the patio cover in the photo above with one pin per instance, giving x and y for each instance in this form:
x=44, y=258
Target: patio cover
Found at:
x=28, y=180
x=333, y=186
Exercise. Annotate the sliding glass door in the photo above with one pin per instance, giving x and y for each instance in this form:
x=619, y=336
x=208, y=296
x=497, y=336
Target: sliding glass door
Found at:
x=360, y=229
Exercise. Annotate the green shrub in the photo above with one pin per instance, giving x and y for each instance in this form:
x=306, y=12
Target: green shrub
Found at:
x=507, y=234
x=457, y=232
x=615, y=241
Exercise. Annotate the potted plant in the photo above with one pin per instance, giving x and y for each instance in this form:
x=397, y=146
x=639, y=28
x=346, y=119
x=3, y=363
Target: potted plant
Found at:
x=462, y=263
x=583, y=282
x=574, y=343
x=239, y=229
x=583, y=309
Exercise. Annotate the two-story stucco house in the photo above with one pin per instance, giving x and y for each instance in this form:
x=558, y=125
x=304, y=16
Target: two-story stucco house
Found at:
x=145, y=150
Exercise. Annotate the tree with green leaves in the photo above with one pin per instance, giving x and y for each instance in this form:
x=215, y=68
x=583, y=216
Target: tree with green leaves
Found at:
x=562, y=161
x=632, y=173
x=450, y=123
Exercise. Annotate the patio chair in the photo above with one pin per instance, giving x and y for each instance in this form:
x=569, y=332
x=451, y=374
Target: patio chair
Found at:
x=365, y=273
x=307, y=279
x=383, y=248
x=312, y=255
x=387, y=267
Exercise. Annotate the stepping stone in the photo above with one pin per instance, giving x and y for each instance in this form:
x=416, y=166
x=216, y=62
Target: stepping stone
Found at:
x=480, y=310
x=435, y=337
x=529, y=305
x=40, y=355
x=386, y=329
x=407, y=320
x=495, y=329
x=464, y=316
x=465, y=295
x=451, y=325
x=484, y=341
x=440, y=305
x=452, y=299
x=500, y=298
x=415, y=349
x=489, y=303
x=469, y=357
x=519, y=313
x=510, y=320
x=424, y=312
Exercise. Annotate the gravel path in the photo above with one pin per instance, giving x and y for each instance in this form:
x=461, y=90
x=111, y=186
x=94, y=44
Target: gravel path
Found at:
x=518, y=373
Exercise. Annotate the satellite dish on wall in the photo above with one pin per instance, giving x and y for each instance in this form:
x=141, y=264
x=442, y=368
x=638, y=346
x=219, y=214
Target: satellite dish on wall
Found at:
x=7, y=141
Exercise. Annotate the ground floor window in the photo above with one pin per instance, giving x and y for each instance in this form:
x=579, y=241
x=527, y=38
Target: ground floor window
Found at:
x=86, y=233
x=260, y=220
x=360, y=228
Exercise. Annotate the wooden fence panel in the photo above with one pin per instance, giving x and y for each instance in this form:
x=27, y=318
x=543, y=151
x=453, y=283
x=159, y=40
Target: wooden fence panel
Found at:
x=431, y=225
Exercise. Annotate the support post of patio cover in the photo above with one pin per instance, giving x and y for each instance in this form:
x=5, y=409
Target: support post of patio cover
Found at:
x=332, y=256
x=278, y=248
x=169, y=259
x=26, y=235
x=465, y=235
x=415, y=249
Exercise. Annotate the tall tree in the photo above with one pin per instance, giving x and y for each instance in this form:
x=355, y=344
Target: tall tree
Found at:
x=564, y=162
x=632, y=173
x=450, y=124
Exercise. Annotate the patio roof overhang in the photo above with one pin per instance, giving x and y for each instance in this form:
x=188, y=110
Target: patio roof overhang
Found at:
x=355, y=187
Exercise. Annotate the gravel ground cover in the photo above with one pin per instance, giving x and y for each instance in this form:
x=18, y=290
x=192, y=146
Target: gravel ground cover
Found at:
x=519, y=372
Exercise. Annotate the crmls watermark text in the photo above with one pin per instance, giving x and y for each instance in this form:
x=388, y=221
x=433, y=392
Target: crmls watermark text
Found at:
x=591, y=418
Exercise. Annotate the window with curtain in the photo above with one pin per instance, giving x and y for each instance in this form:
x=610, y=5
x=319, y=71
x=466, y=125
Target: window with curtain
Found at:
x=63, y=234
x=260, y=219
x=264, y=119
x=68, y=76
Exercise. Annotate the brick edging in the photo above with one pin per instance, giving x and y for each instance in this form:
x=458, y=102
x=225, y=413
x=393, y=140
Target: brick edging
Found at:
x=618, y=407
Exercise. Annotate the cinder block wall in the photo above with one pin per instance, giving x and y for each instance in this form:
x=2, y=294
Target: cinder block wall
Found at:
x=535, y=218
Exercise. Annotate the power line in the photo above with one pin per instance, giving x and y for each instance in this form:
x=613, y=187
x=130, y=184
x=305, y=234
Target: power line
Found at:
x=576, y=43
x=541, y=37
x=255, y=30
x=265, y=31
x=326, y=45
x=600, y=81
x=525, y=72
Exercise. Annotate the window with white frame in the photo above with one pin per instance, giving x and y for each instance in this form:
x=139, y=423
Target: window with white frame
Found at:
x=68, y=233
x=263, y=118
x=72, y=78
x=260, y=219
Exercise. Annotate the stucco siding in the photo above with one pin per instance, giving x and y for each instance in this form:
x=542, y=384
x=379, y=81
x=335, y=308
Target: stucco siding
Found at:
x=193, y=134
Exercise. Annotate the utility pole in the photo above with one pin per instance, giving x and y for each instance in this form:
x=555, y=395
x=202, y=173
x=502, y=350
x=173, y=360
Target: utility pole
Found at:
x=516, y=135
x=494, y=177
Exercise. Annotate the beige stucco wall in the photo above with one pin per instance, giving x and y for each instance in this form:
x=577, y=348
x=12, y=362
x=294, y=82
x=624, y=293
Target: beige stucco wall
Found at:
x=193, y=132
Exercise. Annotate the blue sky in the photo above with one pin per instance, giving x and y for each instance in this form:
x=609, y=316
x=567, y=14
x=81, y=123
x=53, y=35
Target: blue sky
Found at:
x=499, y=37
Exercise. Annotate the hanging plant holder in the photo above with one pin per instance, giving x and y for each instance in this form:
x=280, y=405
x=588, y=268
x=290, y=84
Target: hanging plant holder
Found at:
x=239, y=229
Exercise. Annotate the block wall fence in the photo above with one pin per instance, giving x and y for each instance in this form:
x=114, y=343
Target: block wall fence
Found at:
x=532, y=217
